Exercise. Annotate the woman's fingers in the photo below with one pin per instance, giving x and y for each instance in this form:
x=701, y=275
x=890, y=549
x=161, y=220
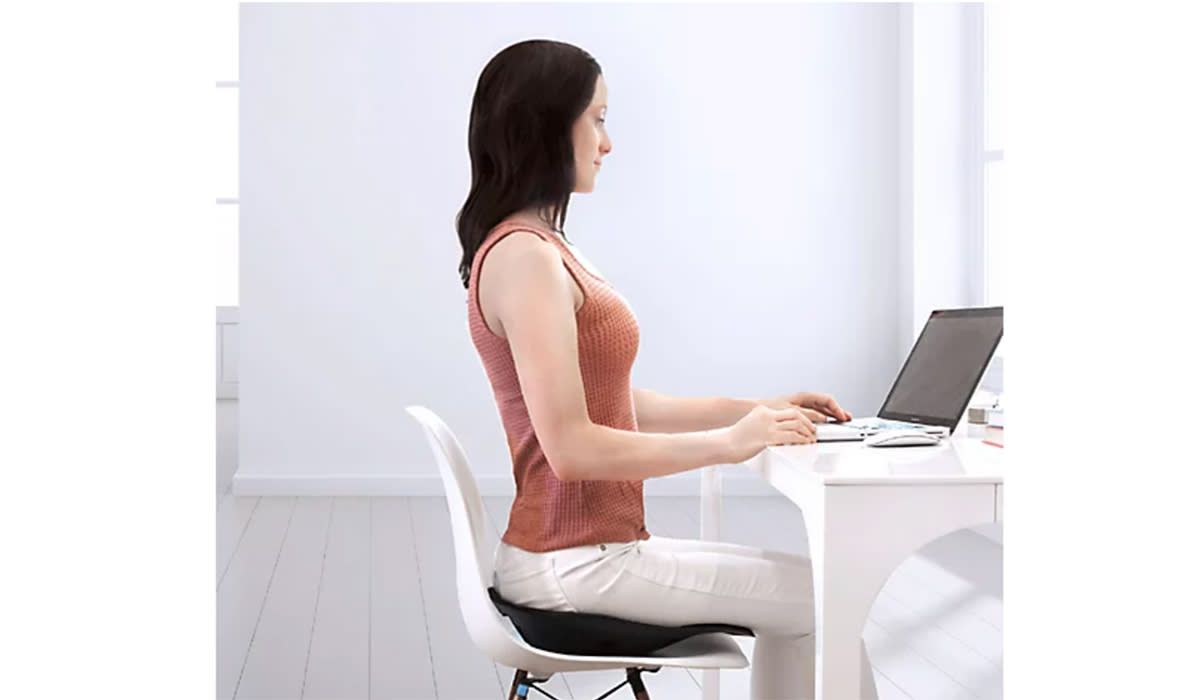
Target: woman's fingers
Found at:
x=794, y=437
x=814, y=415
x=800, y=426
x=794, y=427
x=829, y=406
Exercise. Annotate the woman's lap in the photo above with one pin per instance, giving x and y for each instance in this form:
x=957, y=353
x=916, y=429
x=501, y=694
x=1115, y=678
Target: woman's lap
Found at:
x=667, y=581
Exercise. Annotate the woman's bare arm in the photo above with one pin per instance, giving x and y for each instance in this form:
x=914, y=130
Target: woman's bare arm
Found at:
x=532, y=299
x=659, y=413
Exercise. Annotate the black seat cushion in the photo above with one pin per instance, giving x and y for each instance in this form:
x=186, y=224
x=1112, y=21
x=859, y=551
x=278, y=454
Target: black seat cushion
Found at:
x=587, y=634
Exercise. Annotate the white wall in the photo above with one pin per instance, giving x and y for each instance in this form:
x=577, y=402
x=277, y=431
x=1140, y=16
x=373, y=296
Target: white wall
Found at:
x=749, y=212
x=940, y=162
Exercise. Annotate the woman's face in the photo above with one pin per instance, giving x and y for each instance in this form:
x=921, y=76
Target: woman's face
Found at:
x=591, y=139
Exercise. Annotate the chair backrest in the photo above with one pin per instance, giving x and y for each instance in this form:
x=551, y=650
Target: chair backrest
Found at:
x=472, y=570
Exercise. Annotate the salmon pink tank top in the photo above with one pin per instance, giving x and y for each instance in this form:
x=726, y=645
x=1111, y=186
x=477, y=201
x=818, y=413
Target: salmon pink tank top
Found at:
x=549, y=514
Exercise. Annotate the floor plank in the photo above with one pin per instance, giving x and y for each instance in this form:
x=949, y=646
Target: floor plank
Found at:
x=963, y=562
x=227, y=442
x=949, y=654
x=243, y=590
x=275, y=662
x=401, y=666
x=915, y=675
x=949, y=615
x=886, y=689
x=233, y=517
x=339, y=654
x=461, y=670
x=666, y=683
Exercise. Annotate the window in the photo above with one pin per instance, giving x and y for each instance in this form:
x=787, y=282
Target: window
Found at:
x=226, y=188
x=995, y=198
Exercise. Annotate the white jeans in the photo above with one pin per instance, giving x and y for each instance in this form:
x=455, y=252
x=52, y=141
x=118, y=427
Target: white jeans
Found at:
x=671, y=581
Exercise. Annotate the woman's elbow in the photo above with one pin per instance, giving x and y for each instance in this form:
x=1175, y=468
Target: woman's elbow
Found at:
x=565, y=469
x=566, y=451
x=565, y=474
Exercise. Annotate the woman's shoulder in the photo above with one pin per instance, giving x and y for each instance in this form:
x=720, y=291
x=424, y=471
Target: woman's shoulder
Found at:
x=516, y=226
x=508, y=238
x=518, y=236
x=523, y=249
x=515, y=248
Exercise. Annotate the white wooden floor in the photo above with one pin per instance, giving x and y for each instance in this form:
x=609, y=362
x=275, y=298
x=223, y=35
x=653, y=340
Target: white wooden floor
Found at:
x=341, y=598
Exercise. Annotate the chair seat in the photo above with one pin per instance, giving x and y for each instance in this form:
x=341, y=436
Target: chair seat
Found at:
x=589, y=634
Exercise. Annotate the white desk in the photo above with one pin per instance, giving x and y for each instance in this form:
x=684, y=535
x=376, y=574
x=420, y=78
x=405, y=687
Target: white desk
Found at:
x=866, y=510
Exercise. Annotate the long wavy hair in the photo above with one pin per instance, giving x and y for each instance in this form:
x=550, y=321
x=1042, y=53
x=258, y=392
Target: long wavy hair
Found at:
x=520, y=138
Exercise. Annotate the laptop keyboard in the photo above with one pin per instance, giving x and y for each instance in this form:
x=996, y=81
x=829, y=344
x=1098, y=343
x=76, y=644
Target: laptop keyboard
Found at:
x=882, y=424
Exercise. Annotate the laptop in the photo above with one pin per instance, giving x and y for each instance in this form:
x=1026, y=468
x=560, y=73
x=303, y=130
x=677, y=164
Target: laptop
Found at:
x=938, y=378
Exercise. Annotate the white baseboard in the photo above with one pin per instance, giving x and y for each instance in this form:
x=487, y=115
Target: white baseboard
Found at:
x=687, y=484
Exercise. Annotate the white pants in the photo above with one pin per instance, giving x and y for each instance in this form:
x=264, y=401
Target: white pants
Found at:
x=670, y=581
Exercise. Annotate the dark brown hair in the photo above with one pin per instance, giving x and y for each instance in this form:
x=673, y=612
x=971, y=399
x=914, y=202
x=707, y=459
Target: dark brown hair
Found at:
x=519, y=137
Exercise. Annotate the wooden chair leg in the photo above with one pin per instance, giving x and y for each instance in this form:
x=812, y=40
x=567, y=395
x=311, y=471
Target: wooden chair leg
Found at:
x=634, y=675
x=519, y=679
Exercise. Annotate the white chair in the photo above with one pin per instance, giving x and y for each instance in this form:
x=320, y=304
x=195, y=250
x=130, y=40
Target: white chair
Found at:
x=501, y=640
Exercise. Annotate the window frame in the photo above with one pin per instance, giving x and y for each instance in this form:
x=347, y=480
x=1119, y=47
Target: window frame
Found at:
x=987, y=160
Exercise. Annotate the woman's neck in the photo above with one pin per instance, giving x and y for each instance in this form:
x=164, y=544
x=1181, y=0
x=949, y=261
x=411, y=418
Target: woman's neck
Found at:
x=532, y=218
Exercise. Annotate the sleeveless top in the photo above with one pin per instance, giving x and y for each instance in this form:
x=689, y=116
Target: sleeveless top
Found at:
x=548, y=514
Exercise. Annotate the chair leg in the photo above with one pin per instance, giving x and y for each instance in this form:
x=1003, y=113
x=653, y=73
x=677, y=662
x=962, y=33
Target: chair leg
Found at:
x=634, y=676
x=520, y=688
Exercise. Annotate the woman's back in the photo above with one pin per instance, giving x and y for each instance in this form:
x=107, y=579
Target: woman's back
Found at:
x=549, y=513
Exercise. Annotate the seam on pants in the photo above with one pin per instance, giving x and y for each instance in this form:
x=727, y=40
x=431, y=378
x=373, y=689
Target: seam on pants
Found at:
x=520, y=579
x=558, y=584
x=713, y=593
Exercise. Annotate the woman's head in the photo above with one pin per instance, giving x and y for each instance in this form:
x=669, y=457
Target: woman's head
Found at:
x=535, y=136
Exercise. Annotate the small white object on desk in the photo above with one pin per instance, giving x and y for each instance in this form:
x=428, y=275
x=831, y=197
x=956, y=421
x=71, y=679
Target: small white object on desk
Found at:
x=901, y=438
x=981, y=404
x=994, y=431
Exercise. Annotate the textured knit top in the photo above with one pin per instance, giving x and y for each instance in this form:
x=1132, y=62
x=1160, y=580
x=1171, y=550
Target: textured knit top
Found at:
x=550, y=514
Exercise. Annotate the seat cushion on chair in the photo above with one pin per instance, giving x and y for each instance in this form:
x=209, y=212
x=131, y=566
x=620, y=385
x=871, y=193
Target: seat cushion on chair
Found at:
x=587, y=634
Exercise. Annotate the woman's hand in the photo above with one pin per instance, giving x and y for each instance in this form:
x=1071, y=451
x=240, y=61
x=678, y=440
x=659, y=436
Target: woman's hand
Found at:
x=818, y=408
x=764, y=426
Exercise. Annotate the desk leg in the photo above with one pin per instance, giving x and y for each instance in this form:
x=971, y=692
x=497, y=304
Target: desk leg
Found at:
x=857, y=536
x=844, y=588
x=710, y=504
x=710, y=530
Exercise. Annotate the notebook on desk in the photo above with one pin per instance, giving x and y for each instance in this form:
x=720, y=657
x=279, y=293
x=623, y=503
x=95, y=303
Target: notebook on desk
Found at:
x=937, y=380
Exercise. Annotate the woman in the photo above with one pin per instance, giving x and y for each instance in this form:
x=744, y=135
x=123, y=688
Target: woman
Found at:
x=558, y=343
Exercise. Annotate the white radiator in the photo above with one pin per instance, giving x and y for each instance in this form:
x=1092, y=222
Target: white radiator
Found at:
x=227, y=356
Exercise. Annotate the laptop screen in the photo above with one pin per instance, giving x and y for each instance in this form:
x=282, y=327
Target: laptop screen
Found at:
x=945, y=366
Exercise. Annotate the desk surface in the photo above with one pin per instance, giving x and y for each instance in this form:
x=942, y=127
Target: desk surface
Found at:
x=958, y=460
